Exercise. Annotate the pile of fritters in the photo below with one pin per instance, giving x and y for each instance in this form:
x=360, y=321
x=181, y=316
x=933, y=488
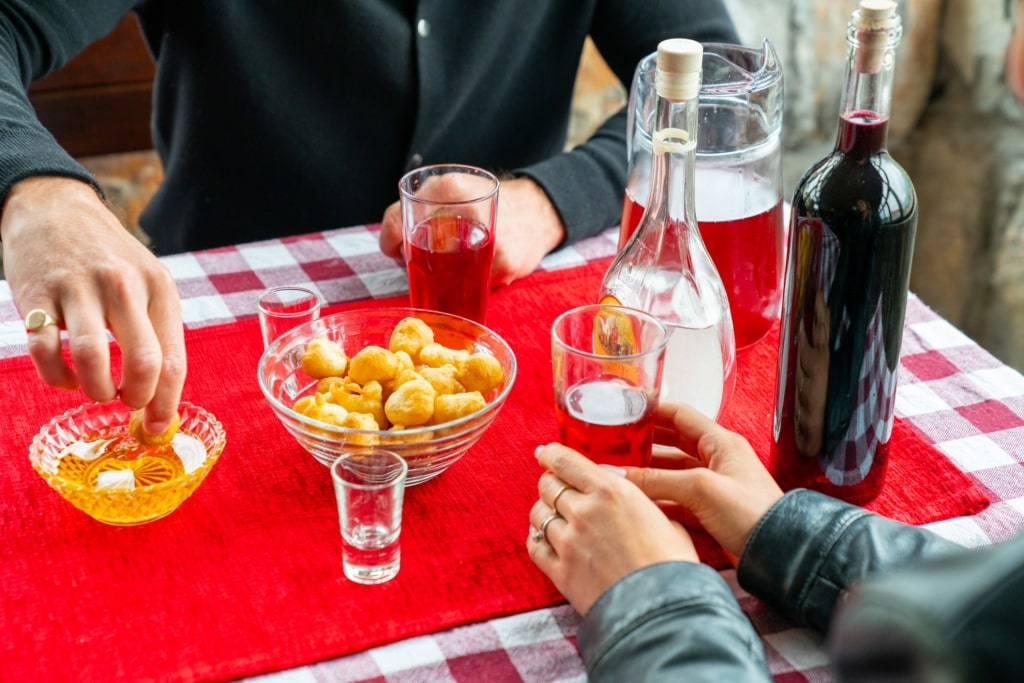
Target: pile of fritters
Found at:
x=414, y=382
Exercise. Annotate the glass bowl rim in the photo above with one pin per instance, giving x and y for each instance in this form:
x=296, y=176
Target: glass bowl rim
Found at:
x=324, y=427
x=62, y=484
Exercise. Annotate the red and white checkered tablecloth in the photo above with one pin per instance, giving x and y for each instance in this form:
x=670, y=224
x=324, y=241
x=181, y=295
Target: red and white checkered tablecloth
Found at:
x=957, y=394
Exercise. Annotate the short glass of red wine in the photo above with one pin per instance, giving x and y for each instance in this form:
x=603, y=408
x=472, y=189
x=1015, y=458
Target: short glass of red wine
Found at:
x=448, y=220
x=607, y=363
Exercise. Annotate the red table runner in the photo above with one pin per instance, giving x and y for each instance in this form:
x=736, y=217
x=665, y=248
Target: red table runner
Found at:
x=246, y=576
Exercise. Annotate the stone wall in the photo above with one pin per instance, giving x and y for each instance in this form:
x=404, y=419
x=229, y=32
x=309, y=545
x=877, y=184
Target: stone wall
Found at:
x=956, y=128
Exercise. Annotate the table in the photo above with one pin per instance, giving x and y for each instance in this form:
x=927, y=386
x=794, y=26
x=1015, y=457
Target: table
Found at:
x=959, y=396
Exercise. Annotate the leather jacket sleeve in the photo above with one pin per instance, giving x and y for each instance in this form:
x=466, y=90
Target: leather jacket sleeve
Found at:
x=671, y=621
x=957, y=618
x=909, y=605
x=809, y=548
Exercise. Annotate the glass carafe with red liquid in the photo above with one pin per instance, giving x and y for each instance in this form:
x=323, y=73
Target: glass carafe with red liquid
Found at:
x=665, y=269
x=738, y=175
x=852, y=228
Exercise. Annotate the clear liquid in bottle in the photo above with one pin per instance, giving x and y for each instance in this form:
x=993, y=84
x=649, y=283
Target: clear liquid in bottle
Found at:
x=665, y=269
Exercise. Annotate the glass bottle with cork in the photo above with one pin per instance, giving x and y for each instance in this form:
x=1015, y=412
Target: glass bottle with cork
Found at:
x=852, y=227
x=665, y=268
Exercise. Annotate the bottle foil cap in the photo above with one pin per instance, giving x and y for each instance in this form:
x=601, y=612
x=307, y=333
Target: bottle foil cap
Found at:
x=679, y=67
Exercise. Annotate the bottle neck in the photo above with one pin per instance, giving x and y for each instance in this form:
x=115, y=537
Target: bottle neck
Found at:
x=674, y=143
x=867, y=98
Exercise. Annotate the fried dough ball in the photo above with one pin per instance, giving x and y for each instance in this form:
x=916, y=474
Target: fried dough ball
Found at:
x=405, y=375
x=436, y=355
x=307, y=404
x=139, y=433
x=418, y=437
x=406, y=372
x=410, y=335
x=416, y=381
x=442, y=379
x=317, y=407
x=412, y=404
x=405, y=361
x=324, y=358
x=363, y=421
x=373, y=363
x=325, y=384
x=367, y=398
x=482, y=372
x=452, y=406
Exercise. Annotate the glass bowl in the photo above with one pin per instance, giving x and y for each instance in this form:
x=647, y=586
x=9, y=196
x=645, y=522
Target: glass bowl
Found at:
x=161, y=484
x=429, y=450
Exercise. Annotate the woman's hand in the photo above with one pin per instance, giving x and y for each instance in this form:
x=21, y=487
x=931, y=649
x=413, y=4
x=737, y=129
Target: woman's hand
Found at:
x=606, y=527
x=717, y=478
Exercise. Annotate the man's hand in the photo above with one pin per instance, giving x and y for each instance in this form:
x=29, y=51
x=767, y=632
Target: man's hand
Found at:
x=67, y=254
x=528, y=228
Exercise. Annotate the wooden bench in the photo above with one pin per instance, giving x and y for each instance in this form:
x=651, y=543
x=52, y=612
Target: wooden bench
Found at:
x=100, y=102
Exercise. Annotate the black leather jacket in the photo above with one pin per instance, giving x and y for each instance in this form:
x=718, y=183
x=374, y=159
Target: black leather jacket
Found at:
x=903, y=603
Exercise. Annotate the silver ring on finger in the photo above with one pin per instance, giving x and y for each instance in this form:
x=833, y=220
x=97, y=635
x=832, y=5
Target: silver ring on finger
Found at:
x=543, y=531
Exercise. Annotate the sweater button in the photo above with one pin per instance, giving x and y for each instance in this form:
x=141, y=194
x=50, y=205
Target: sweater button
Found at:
x=423, y=28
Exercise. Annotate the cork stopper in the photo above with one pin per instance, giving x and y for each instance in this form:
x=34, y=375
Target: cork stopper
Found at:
x=679, y=66
x=874, y=25
x=876, y=15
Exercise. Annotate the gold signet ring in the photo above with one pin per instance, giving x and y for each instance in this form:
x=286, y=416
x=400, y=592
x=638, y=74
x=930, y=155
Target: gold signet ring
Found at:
x=37, y=319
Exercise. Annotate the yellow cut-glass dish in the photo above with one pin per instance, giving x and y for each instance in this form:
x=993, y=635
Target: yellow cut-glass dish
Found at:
x=88, y=456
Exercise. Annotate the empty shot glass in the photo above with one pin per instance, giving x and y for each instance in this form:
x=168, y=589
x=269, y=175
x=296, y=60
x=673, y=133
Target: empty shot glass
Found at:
x=369, y=486
x=282, y=308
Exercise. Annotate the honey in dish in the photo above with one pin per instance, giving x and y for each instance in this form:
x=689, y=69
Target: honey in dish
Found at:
x=115, y=462
x=141, y=465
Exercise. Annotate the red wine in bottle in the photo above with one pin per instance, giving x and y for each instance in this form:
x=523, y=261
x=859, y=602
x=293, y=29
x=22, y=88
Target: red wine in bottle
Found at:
x=853, y=221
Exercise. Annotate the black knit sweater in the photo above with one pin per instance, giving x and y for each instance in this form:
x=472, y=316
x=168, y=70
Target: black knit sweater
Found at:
x=278, y=117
